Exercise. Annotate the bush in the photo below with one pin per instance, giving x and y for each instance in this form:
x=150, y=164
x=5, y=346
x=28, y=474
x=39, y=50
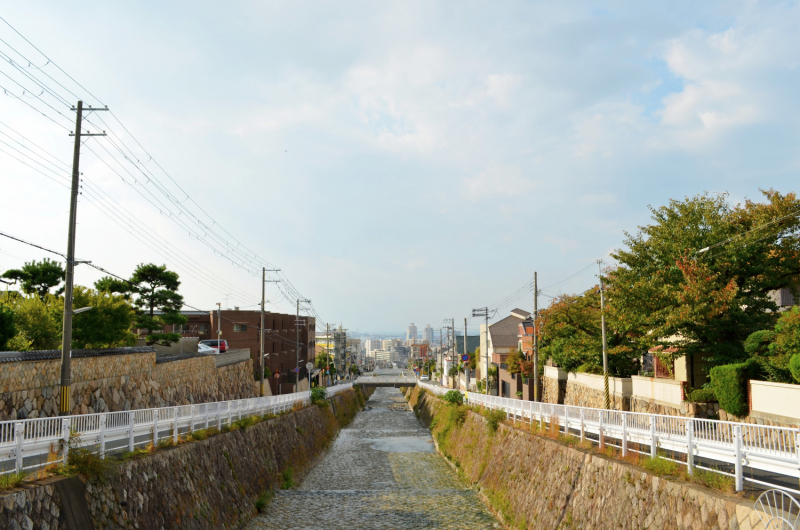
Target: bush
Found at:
x=319, y=395
x=454, y=397
x=701, y=395
x=729, y=383
x=493, y=419
x=590, y=368
x=452, y=372
x=794, y=366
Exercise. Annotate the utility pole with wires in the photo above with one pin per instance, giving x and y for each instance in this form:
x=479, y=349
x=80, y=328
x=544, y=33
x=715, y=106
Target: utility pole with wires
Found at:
x=297, y=346
x=484, y=312
x=606, y=396
x=69, y=276
x=536, y=389
x=261, y=348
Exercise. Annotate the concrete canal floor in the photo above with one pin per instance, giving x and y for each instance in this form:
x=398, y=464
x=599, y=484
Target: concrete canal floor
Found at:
x=382, y=471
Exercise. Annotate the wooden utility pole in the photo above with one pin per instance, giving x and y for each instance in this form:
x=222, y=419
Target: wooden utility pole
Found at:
x=606, y=395
x=69, y=276
x=536, y=389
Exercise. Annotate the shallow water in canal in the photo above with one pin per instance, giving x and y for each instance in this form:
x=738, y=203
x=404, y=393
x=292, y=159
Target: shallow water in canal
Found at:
x=382, y=471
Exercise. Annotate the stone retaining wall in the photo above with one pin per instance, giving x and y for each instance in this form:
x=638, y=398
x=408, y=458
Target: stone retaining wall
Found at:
x=30, y=389
x=686, y=409
x=554, y=390
x=201, y=485
x=582, y=396
x=537, y=482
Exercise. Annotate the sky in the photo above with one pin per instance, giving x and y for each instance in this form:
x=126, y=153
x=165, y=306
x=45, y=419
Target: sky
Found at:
x=398, y=161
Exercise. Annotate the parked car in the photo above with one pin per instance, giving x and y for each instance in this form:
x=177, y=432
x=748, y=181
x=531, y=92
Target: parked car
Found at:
x=424, y=378
x=221, y=345
x=205, y=349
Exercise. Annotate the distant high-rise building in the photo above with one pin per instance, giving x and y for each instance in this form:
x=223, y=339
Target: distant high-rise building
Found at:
x=427, y=334
x=411, y=333
x=371, y=345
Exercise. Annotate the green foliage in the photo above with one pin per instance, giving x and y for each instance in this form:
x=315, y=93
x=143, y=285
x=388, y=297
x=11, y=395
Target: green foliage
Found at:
x=37, y=322
x=571, y=335
x=244, y=423
x=493, y=419
x=590, y=368
x=107, y=325
x=515, y=361
x=319, y=396
x=288, y=478
x=89, y=464
x=38, y=277
x=454, y=397
x=452, y=372
x=7, y=328
x=263, y=500
x=10, y=481
x=730, y=385
x=701, y=395
x=661, y=466
x=157, y=289
x=794, y=367
x=664, y=290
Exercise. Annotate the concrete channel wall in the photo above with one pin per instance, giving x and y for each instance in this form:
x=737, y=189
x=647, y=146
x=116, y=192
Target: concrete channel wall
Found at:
x=204, y=485
x=537, y=482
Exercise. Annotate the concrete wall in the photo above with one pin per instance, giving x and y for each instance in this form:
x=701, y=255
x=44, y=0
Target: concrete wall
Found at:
x=778, y=402
x=30, y=389
x=537, y=482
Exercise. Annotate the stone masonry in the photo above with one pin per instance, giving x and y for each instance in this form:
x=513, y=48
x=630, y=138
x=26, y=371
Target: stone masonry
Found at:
x=30, y=389
x=582, y=396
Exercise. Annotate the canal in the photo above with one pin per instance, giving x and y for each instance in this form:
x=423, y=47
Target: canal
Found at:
x=382, y=471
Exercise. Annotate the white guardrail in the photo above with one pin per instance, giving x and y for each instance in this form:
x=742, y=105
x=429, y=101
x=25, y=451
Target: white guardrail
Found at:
x=26, y=445
x=770, y=449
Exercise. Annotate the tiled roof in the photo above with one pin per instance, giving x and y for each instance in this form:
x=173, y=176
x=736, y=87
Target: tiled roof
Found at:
x=47, y=355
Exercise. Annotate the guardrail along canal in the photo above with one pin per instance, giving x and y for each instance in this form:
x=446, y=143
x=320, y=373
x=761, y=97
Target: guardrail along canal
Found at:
x=382, y=471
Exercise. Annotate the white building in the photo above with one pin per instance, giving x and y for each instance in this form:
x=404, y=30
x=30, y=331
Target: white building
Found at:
x=411, y=334
x=427, y=334
x=371, y=345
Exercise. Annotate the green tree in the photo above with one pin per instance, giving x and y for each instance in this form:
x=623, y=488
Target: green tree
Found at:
x=666, y=293
x=7, y=328
x=107, y=325
x=38, y=277
x=515, y=361
x=774, y=349
x=156, y=289
x=571, y=335
x=37, y=322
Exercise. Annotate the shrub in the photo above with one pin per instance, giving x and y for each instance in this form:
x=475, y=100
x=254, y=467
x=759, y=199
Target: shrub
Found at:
x=730, y=385
x=590, y=368
x=452, y=372
x=494, y=417
x=11, y=480
x=288, y=478
x=454, y=397
x=89, y=464
x=319, y=395
x=701, y=395
x=794, y=366
x=263, y=499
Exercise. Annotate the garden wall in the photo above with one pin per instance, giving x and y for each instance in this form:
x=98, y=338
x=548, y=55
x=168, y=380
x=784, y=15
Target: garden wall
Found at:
x=200, y=485
x=114, y=380
x=538, y=482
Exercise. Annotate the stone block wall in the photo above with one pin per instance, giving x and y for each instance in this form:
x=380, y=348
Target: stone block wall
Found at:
x=537, y=482
x=554, y=390
x=686, y=409
x=32, y=506
x=30, y=389
x=582, y=396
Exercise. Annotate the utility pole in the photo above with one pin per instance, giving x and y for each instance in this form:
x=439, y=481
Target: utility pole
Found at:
x=606, y=396
x=297, y=346
x=219, y=327
x=327, y=349
x=69, y=276
x=465, y=349
x=263, y=299
x=484, y=312
x=536, y=389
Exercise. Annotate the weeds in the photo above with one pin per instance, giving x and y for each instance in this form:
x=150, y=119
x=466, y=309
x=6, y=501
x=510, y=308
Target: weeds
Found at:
x=493, y=419
x=263, y=500
x=662, y=467
x=713, y=480
x=83, y=461
x=288, y=478
x=11, y=480
x=300, y=430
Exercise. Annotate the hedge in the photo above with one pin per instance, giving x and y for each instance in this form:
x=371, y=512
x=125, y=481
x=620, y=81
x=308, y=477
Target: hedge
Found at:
x=794, y=366
x=730, y=385
x=702, y=395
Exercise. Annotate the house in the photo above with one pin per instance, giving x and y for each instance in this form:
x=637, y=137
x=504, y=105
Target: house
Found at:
x=500, y=340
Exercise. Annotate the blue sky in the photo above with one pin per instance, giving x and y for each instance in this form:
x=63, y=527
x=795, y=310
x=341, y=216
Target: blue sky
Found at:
x=408, y=161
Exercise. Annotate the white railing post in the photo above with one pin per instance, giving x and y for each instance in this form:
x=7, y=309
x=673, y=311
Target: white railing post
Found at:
x=65, y=438
x=103, y=435
x=541, y=417
x=583, y=427
x=155, y=427
x=624, y=435
x=737, y=453
x=601, y=435
x=205, y=414
x=653, y=439
x=175, y=425
x=19, y=438
x=690, y=447
x=131, y=422
x=191, y=425
x=566, y=421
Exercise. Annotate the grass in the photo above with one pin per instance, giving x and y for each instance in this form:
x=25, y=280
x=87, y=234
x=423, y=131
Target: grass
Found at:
x=662, y=467
x=263, y=500
x=11, y=480
x=300, y=430
x=493, y=419
x=288, y=478
x=83, y=461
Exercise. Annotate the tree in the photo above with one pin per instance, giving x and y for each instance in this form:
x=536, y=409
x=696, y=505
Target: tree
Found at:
x=774, y=349
x=107, y=325
x=571, y=335
x=156, y=289
x=7, y=327
x=515, y=361
x=38, y=323
x=38, y=277
x=666, y=293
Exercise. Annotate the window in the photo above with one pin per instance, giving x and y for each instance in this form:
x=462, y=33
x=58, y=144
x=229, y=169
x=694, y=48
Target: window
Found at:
x=239, y=327
x=202, y=329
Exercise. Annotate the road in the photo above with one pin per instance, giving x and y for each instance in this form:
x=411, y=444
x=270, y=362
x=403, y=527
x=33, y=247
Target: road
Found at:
x=382, y=471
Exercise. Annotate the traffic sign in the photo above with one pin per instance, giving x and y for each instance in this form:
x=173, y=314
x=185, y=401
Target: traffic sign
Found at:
x=465, y=357
x=296, y=370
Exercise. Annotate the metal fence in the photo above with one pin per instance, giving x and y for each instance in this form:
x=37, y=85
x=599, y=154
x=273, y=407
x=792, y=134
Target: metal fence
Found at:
x=27, y=445
x=760, y=447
